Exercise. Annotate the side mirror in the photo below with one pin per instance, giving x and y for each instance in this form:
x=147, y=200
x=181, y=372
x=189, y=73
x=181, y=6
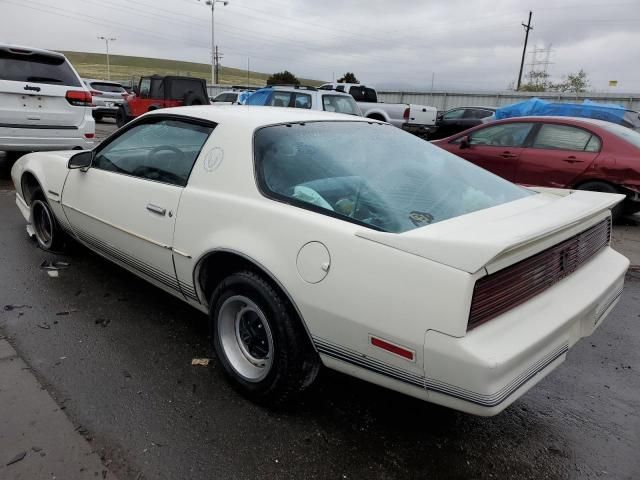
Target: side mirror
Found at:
x=81, y=160
x=465, y=142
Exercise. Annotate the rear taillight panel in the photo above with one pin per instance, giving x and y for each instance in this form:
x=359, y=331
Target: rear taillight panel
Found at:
x=79, y=98
x=406, y=113
x=514, y=285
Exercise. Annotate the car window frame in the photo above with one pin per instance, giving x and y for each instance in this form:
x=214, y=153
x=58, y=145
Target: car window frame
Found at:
x=444, y=115
x=153, y=119
x=542, y=123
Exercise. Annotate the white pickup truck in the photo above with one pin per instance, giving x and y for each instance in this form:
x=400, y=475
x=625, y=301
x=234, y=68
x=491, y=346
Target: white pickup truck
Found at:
x=417, y=119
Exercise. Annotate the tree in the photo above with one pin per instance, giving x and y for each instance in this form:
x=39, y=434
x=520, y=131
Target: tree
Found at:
x=348, y=77
x=574, y=82
x=283, y=78
x=537, y=81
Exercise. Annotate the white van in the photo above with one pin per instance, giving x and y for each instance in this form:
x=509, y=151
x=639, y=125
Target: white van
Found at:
x=43, y=103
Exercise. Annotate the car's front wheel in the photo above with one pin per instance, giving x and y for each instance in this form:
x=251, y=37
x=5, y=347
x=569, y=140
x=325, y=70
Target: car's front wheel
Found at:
x=259, y=340
x=48, y=233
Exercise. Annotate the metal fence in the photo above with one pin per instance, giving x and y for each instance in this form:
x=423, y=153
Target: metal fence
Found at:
x=445, y=100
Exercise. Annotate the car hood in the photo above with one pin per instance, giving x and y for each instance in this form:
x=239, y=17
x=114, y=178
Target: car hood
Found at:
x=472, y=241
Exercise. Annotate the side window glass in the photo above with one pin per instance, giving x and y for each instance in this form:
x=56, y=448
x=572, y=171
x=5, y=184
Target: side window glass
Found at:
x=453, y=114
x=303, y=100
x=145, y=86
x=562, y=137
x=593, y=145
x=504, y=135
x=281, y=99
x=163, y=151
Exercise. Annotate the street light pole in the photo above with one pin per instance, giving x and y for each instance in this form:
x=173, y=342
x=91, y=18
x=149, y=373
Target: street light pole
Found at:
x=106, y=41
x=212, y=4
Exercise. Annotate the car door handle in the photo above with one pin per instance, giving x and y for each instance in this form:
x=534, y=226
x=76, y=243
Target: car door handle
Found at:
x=572, y=159
x=508, y=155
x=156, y=209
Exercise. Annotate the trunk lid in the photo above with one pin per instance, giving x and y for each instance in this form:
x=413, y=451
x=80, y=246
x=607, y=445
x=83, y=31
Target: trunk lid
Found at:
x=422, y=115
x=496, y=237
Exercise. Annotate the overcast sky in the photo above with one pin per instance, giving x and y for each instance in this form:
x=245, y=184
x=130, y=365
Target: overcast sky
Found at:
x=467, y=44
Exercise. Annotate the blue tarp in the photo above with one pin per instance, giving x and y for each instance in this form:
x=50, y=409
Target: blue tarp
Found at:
x=539, y=107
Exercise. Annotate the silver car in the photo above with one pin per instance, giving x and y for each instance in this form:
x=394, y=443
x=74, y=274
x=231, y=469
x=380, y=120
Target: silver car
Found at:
x=107, y=97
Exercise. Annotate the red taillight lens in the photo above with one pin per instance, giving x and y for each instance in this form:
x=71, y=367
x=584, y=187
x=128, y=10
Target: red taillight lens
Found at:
x=79, y=98
x=89, y=135
x=406, y=113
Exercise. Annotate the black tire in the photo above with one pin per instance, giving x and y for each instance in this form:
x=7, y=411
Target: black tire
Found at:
x=49, y=235
x=192, y=98
x=618, y=211
x=122, y=118
x=97, y=117
x=293, y=363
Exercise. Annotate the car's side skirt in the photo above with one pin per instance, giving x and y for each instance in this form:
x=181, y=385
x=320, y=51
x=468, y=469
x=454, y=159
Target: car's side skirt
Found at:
x=358, y=359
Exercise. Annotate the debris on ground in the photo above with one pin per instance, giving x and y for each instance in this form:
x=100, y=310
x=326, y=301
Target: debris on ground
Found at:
x=103, y=322
x=200, y=361
x=10, y=307
x=47, y=265
x=44, y=326
x=17, y=458
x=66, y=312
x=52, y=273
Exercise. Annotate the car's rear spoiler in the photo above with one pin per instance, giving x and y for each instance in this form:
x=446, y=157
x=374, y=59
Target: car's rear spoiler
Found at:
x=472, y=241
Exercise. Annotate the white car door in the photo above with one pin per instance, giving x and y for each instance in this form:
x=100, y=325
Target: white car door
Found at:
x=125, y=204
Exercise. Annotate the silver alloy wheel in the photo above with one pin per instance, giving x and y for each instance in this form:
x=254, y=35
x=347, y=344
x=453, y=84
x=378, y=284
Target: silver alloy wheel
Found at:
x=42, y=223
x=245, y=337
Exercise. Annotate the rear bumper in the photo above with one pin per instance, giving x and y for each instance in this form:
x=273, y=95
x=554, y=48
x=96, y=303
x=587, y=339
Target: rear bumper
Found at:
x=493, y=365
x=413, y=128
x=39, y=139
x=106, y=111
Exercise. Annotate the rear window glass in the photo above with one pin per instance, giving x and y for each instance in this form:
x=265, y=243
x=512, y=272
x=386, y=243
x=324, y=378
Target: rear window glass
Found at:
x=371, y=174
x=340, y=104
x=37, y=68
x=107, y=87
x=631, y=136
x=363, y=94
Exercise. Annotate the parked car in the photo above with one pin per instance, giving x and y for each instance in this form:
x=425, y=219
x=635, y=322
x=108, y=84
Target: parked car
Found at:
x=107, y=97
x=417, y=119
x=310, y=98
x=460, y=119
x=233, y=96
x=313, y=238
x=43, y=103
x=156, y=92
x=561, y=152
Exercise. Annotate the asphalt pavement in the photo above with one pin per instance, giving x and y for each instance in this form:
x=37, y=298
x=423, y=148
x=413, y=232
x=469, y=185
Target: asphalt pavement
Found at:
x=116, y=353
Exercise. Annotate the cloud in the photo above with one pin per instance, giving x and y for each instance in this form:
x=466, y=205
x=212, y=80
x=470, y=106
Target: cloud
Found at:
x=466, y=45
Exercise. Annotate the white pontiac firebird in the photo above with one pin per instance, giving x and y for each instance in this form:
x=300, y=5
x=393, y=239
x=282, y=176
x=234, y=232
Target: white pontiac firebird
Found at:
x=313, y=239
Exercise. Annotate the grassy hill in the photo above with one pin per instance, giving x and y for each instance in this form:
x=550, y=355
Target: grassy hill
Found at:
x=123, y=68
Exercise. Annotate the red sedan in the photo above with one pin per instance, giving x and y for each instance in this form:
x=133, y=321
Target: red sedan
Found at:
x=562, y=152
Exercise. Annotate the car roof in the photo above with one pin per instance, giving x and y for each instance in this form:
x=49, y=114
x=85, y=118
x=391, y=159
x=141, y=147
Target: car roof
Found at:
x=8, y=46
x=252, y=117
x=557, y=118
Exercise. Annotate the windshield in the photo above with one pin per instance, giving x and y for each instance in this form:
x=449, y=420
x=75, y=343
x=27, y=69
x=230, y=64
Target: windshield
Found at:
x=108, y=87
x=625, y=133
x=372, y=174
x=340, y=104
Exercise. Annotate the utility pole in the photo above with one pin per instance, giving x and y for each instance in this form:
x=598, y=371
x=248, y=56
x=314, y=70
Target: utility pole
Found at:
x=216, y=60
x=106, y=41
x=212, y=4
x=527, y=27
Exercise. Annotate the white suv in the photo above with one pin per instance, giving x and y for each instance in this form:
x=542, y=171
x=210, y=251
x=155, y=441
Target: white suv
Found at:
x=43, y=103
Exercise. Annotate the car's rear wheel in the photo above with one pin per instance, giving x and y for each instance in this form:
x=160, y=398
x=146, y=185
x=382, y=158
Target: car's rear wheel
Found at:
x=98, y=117
x=259, y=340
x=48, y=233
x=122, y=118
x=618, y=211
